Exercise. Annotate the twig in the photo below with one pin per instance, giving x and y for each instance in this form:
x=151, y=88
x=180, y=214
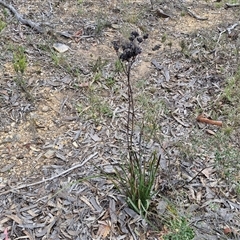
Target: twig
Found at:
x=229, y=5
x=194, y=177
x=203, y=119
x=162, y=14
x=20, y=18
x=220, y=35
x=63, y=103
x=229, y=29
x=179, y=121
x=51, y=178
x=22, y=85
x=130, y=230
x=196, y=16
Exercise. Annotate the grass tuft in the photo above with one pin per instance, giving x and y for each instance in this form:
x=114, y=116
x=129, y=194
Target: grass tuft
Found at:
x=20, y=65
x=2, y=25
x=179, y=230
x=136, y=179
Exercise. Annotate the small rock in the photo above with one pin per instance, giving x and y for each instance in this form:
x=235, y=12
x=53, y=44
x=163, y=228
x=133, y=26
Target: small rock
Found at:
x=115, y=26
x=60, y=47
x=75, y=144
x=45, y=108
x=95, y=138
x=49, y=154
x=17, y=137
x=161, y=207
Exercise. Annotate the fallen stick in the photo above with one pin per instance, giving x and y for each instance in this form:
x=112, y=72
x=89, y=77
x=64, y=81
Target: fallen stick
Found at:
x=229, y=5
x=20, y=18
x=51, y=178
x=195, y=16
x=203, y=119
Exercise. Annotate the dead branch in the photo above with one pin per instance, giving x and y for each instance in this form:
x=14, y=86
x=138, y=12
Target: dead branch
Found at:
x=229, y=5
x=196, y=16
x=20, y=18
x=203, y=119
x=51, y=178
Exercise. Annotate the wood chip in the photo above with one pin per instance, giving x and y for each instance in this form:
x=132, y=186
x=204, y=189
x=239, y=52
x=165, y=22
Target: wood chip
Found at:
x=203, y=119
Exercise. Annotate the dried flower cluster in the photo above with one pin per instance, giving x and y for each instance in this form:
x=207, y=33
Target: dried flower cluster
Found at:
x=130, y=49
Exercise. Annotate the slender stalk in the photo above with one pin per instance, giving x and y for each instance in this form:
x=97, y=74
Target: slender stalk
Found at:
x=130, y=118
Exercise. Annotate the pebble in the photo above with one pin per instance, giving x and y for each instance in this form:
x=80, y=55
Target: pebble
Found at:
x=45, y=108
x=75, y=144
x=49, y=154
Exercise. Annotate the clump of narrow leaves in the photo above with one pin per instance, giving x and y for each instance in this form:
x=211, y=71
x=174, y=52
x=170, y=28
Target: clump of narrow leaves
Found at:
x=136, y=179
x=135, y=176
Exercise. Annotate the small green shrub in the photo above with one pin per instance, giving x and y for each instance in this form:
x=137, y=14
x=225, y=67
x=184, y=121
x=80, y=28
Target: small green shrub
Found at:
x=2, y=25
x=179, y=230
x=118, y=66
x=19, y=60
x=20, y=65
x=110, y=81
x=95, y=108
x=98, y=65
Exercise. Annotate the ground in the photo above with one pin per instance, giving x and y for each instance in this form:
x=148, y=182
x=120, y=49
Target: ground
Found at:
x=63, y=118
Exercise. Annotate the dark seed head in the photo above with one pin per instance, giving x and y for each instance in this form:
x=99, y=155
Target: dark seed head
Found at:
x=137, y=51
x=156, y=47
x=139, y=39
x=116, y=45
x=131, y=38
x=134, y=34
x=126, y=45
x=126, y=55
x=130, y=49
x=145, y=36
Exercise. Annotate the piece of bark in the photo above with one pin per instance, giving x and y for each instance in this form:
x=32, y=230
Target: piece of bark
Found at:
x=162, y=14
x=203, y=119
x=229, y=5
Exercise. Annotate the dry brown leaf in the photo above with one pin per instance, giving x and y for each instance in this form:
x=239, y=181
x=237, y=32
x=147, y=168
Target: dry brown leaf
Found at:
x=32, y=213
x=4, y=220
x=227, y=230
x=15, y=218
x=99, y=127
x=85, y=200
x=105, y=215
x=192, y=192
x=181, y=122
x=199, y=196
x=210, y=132
x=104, y=229
x=86, y=84
x=95, y=203
x=30, y=237
x=207, y=172
x=112, y=210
